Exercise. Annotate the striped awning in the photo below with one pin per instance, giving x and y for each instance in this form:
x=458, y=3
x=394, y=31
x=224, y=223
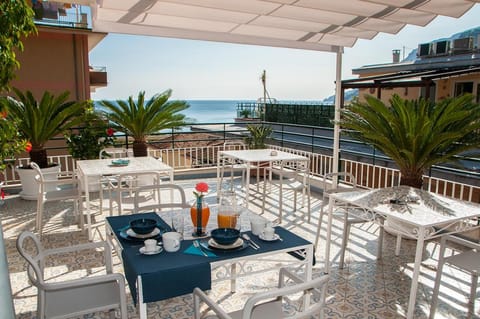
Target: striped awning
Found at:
x=322, y=25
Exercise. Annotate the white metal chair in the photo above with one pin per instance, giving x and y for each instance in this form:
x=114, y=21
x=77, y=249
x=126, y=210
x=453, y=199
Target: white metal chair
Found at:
x=232, y=165
x=122, y=188
x=74, y=297
x=268, y=305
x=341, y=213
x=468, y=261
x=64, y=189
x=149, y=197
x=113, y=152
x=294, y=177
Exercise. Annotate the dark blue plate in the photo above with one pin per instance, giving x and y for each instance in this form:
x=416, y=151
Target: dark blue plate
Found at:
x=124, y=235
x=216, y=250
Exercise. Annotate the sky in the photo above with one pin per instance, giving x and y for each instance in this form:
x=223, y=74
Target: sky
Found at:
x=202, y=70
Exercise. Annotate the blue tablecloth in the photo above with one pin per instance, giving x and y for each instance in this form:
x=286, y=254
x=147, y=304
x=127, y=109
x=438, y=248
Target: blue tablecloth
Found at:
x=168, y=275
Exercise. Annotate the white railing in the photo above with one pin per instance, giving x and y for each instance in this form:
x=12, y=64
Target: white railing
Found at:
x=367, y=175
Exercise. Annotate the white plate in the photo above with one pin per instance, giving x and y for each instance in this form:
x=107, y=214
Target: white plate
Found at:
x=216, y=245
x=156, y=251
x=154, y=233
x=275, y=237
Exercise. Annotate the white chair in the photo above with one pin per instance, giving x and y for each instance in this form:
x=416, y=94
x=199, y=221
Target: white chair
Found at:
x=295, y=177
x=149, y=198
x=268, y=305
x=113, y=152
x=75, y=297
x=63, y=189
x=123, y=187
x=468, y=261
x=233, y=166
x=343, y=180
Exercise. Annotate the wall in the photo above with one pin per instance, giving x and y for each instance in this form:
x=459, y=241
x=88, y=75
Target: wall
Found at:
x=55, y=60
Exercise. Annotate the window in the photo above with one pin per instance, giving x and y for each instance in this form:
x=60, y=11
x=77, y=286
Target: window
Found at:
x=462, y=88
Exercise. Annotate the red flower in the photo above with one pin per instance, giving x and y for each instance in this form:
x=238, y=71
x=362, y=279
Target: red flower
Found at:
x=201, y=188
x=110, y=131
x=4, y=114
x=28, y=147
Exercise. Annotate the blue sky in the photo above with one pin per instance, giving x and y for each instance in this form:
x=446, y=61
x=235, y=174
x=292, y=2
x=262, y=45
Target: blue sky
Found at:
x=210, y=70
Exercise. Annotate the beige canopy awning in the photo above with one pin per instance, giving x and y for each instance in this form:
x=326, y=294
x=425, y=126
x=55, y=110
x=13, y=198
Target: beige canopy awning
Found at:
x=322, y=25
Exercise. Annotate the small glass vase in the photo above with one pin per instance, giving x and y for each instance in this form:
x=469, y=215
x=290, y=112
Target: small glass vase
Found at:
x=200, y=213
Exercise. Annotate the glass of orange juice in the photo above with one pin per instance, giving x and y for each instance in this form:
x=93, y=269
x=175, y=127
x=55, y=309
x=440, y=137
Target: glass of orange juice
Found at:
x=227, y=210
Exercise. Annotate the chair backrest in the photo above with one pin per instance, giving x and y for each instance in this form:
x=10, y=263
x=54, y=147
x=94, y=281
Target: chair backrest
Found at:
x=35, y=257
x=315, y=289
x=173, y=197
x=233, y=145
x=331, y=181
x=113, y=152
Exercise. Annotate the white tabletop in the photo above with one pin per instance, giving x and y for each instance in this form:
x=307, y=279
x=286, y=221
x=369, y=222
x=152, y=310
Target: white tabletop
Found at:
x=136, y=165
x=263, y=155
x=415, y=206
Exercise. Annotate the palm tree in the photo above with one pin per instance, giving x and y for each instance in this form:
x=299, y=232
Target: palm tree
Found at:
x=139, y=119
x=42, y=120
x=416, y=134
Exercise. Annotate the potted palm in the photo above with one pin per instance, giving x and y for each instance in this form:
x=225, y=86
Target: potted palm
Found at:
x=257, y=138
x=41, y=121
x=415, y=134
x=140, y=118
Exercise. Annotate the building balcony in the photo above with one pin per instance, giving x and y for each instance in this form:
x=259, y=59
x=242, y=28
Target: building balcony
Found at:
x=98, y=77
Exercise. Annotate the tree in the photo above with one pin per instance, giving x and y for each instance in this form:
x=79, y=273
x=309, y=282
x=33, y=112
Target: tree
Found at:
x=16, y=21
x=416, y=134
x=42, y=120
x=140, y=119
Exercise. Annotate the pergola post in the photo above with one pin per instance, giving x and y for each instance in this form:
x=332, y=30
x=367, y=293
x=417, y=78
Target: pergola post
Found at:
x=338, y=104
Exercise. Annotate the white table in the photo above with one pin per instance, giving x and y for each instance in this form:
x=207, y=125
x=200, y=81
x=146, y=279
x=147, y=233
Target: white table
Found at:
x=103, y=167
x=426, y=214
x=251, y=157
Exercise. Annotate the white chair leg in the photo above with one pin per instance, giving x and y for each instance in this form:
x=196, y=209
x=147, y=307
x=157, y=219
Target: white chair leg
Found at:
x=38, y=220
x=398, y=244
x=346, y=233
x=473, y=293
x=436, y=287
x=319, y=227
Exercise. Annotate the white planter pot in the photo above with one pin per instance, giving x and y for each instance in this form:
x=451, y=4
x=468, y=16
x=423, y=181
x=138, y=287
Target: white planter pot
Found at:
x=30, y=185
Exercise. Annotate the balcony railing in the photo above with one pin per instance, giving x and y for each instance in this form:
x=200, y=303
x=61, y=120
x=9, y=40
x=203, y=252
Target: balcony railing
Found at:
x=51, y=13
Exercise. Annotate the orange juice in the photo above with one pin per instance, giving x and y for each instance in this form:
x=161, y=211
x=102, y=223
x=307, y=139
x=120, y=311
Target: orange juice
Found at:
x=205, y=215
x=226, y=220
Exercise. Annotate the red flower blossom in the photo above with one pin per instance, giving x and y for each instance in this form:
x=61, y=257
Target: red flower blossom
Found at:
x=4, y=114
x=28, y=147
x=201, y=187
x=110, y=131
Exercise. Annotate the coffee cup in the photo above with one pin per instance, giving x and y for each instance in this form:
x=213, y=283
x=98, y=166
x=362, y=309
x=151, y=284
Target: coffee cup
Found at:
x=257, y=225
x=150, y=245
x=269, y=232
x=171, y=241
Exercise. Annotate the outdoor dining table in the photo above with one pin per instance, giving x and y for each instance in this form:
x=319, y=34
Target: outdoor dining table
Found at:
x=422, y=215
x=254, y=157
x=98, y=168
x=170, y=274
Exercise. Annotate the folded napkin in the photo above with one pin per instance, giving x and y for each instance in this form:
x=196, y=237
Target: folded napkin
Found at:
x=192, y=250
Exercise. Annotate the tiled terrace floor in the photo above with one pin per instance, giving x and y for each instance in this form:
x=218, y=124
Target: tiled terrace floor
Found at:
x=365, y=288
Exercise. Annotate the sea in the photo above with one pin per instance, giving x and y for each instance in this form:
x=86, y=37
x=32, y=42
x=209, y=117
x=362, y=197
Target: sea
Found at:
x=214, y=111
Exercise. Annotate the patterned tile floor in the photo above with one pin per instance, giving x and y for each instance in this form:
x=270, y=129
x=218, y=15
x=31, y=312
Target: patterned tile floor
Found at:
x=365, y=288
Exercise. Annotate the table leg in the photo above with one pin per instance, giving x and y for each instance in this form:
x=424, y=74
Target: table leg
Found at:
x=141, y=306
x=87, y=204
x=247, y=186
x=329, y=235
x=280, y=196
x=416, y=273
x=233, y=277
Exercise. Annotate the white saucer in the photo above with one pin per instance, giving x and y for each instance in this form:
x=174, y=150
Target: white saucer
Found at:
x=236, y=244
x=275, y=237
x=156, y=251
x=154, y=233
